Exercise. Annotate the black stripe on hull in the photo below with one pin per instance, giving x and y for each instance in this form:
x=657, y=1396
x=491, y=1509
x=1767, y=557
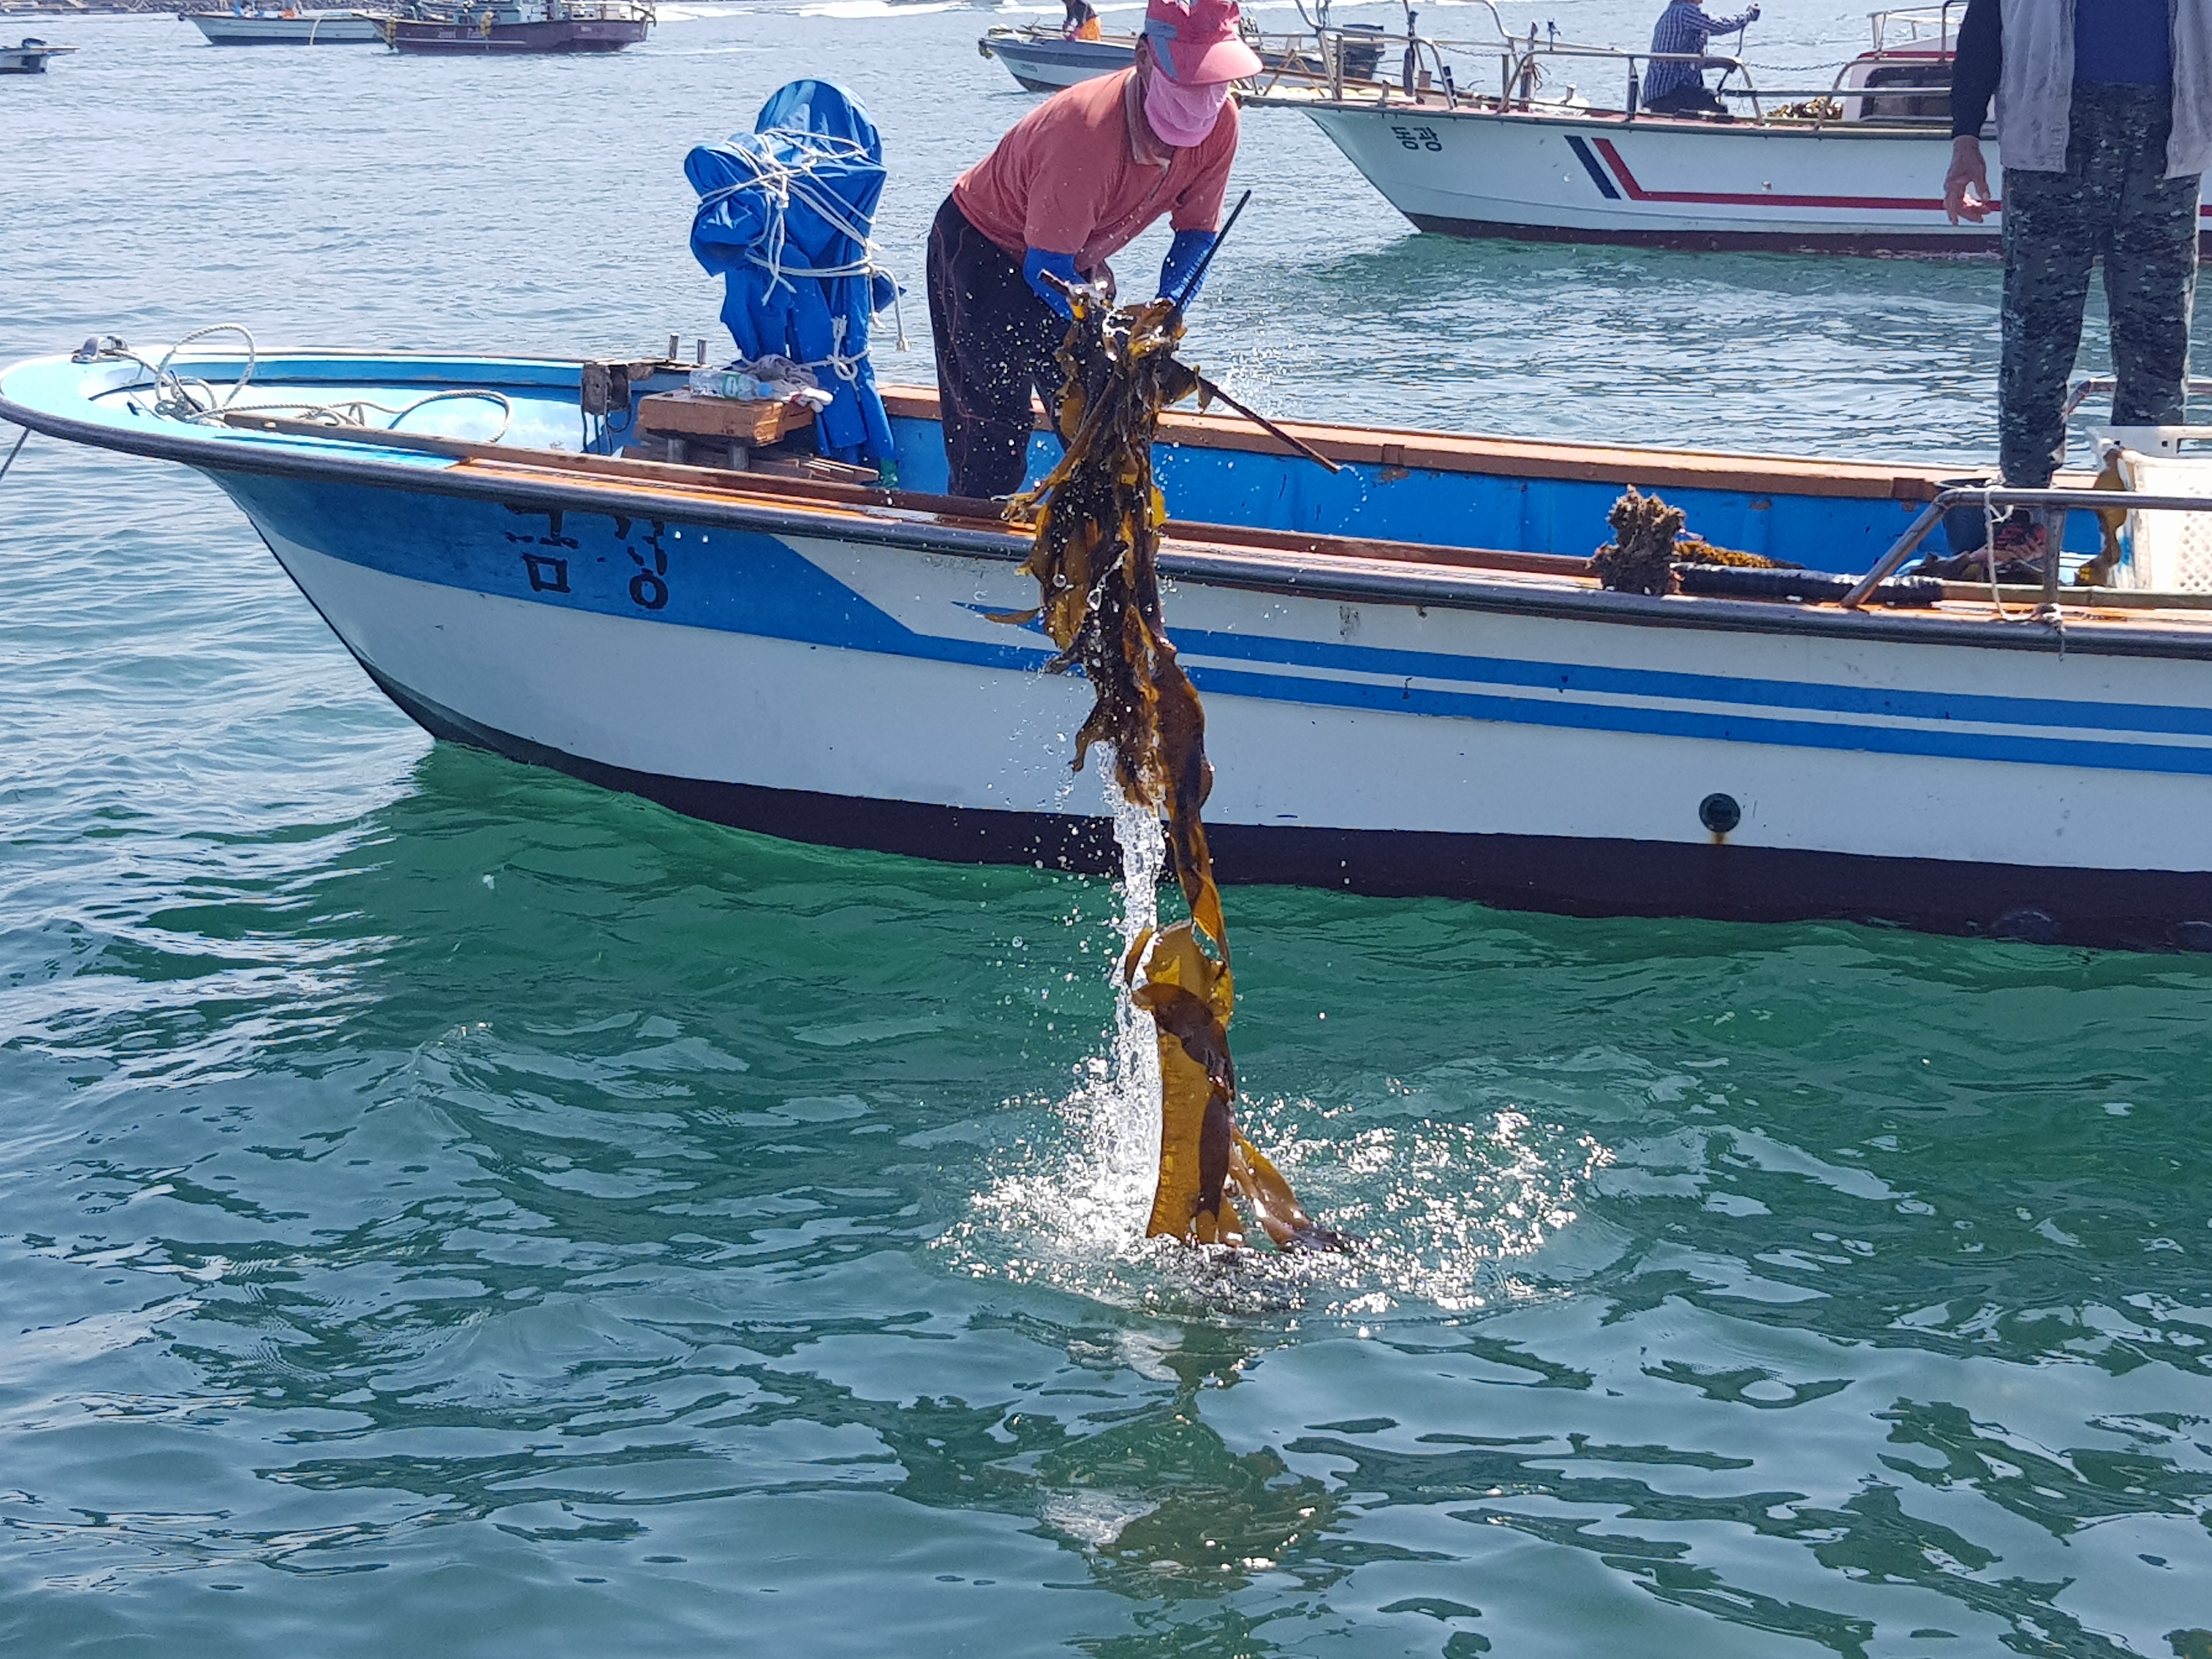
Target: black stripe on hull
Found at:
x=1717, y=241
x=1724, y=241
x=2132, y=910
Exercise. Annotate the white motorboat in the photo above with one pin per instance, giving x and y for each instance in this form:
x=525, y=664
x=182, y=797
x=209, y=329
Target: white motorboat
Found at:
x=288, y=27
x=1044, y=59
x=29, y=57
x=1493, y=139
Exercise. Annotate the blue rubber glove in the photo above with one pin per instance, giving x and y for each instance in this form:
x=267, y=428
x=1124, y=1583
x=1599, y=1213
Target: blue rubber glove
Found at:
x=1184, y=253
x=1035, y=263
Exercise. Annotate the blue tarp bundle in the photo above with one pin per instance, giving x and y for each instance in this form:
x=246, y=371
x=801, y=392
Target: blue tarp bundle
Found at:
x=784, y=215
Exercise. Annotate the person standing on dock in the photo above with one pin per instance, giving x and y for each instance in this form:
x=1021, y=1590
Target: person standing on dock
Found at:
x=1675, y=86
x=2105, y=126
x=1074, y=182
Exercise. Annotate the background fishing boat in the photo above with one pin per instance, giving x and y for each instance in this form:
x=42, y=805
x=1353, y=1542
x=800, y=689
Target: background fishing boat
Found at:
x=483, y=27
x=29, y=57
x=1390, y=710
x=288, y=27
x=1542, y=139
x=1041, y=58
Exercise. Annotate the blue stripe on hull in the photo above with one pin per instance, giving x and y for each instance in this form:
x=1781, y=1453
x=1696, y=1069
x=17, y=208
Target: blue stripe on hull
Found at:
x=1581, y=149
x=1749, y=693
x=746, y=582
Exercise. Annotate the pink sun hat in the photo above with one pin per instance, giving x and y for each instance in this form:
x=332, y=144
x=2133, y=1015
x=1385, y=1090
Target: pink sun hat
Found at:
x=1198, y=44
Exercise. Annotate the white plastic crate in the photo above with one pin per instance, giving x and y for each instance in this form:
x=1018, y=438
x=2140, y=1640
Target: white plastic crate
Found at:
x=2163, y=552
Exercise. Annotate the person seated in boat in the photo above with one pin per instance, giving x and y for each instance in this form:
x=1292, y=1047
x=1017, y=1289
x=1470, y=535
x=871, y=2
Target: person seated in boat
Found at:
x=1082, y=21
x=1672, y=85
x=2104, y=112
x=1075, y=181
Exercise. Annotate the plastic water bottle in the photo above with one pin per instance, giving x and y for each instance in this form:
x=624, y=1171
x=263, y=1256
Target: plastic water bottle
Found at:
x=724, y=382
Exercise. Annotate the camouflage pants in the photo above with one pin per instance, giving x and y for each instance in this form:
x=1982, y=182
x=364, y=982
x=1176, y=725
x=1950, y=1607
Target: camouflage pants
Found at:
x=2113, y=199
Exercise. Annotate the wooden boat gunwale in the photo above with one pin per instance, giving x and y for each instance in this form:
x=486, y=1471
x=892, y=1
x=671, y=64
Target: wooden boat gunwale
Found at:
x=1310, y=563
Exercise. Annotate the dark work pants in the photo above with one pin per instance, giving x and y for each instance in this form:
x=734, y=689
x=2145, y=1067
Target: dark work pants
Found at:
x=995, y=340
x=1692, y=98
x=2113, y=199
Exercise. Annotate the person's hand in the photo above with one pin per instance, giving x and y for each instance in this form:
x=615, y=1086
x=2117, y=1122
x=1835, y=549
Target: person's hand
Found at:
x=1966, y=185
x=1050, y=276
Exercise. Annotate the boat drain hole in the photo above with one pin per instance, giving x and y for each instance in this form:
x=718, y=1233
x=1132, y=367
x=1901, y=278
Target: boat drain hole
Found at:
x=1719, y=813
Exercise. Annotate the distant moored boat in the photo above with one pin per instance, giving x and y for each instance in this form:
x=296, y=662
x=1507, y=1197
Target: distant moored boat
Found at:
x=1042, y=59
x=519, y=26
x=30, y=57
x=288, y=28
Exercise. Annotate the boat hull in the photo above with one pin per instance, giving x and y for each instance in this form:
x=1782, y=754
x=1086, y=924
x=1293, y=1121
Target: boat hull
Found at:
x=581, y=34
x=1561, y=176
x=223, y=29
x=1549, y=757
x=1047, y=65
x=1383, y=717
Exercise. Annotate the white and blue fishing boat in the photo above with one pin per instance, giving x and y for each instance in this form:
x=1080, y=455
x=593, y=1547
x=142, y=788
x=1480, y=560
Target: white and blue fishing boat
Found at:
x=1414, y=681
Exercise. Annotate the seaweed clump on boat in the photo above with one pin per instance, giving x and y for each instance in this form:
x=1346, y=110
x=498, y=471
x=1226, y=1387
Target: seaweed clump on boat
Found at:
x=1097, y=520
x=1649, y=541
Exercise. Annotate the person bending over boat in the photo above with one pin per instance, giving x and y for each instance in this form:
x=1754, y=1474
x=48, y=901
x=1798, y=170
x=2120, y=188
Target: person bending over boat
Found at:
x=2105, y=128
x=1081, y=22
x=1678, y=87
x=1074, y=183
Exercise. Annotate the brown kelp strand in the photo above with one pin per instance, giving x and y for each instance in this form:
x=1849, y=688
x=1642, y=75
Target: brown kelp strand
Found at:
x=1097, y=521
x=1649, y=540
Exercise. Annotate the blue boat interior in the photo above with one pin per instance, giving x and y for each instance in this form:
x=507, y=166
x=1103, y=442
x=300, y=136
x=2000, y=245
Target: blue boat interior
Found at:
x=1489, y=507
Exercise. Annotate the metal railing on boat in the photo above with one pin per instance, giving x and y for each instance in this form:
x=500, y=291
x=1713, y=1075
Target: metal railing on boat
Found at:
x=1992, y=497
x=1427, y=71
x=2104, y=385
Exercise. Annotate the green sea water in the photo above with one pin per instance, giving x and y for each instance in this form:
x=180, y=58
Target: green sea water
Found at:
x=446, y=1209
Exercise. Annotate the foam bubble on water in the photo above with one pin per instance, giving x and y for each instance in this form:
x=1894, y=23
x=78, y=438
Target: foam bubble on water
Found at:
x=851, y=10
x=1094, y=1517
x=1452, y=1216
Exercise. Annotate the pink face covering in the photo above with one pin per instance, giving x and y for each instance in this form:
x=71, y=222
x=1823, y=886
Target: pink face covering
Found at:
x=1183, y=116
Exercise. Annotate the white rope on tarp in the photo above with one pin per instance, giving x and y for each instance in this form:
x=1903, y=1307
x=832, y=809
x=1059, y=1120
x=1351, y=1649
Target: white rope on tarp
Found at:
x=784, y=183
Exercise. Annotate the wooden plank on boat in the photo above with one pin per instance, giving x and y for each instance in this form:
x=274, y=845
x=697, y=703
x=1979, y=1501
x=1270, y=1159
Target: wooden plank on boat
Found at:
x=1528, y=457
x=968, y=513
x=954, y=509
x=747, y=419
x=2070, y=600
x=2082, y=605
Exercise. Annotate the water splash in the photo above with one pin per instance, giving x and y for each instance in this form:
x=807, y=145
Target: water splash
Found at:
x=1088, y=1198
x=1127, y=1126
